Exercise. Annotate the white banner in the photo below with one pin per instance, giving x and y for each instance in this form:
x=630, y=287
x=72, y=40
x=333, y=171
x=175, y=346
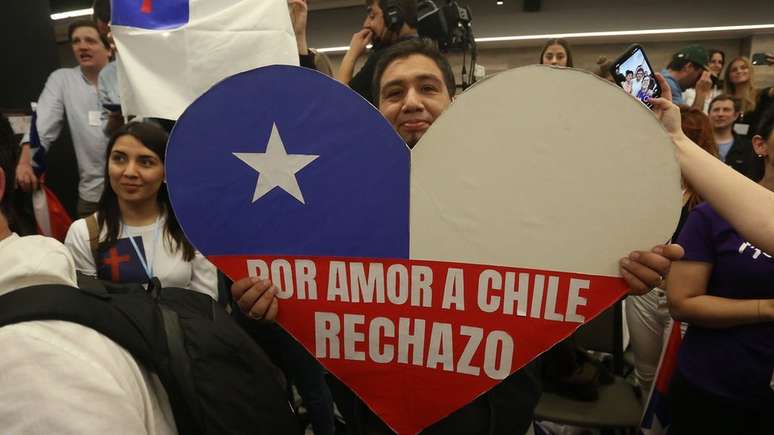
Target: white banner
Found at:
x=171, y=52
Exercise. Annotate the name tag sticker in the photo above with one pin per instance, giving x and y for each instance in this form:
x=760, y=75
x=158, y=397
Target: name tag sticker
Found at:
x=95, y=118
x=742, y=129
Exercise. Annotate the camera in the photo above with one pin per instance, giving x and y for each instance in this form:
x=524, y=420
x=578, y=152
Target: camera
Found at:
x=450, y=26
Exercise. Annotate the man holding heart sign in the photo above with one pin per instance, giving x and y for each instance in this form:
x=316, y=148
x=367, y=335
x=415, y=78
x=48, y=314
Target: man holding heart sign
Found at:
x=413, y=86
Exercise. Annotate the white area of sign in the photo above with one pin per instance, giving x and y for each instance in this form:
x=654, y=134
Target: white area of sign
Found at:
x=545, y=168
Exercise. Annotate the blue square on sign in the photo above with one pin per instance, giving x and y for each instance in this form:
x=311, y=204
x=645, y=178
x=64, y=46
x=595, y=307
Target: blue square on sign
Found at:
x=150, y=14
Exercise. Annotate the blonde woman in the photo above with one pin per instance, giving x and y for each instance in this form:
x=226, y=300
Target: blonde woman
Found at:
x=739, y=79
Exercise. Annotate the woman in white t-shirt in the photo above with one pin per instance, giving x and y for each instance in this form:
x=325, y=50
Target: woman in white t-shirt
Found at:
x=139, y=235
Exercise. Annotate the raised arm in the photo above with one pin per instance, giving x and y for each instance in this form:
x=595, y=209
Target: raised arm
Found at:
x=748, y=207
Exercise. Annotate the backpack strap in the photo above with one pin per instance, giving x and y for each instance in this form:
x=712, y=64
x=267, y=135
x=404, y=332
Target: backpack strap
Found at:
x=181, y=371
x=90, y=309
x=93, y=227
x=130, y=318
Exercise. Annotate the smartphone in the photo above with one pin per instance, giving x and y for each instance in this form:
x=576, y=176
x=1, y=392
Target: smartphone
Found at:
x=759, y=59
x=635, y=75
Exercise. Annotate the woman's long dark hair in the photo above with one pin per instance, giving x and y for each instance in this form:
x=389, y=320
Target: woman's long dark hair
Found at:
x=109, y=214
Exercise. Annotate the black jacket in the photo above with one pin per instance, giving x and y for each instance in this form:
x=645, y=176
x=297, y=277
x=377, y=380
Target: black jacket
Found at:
x=742, y=158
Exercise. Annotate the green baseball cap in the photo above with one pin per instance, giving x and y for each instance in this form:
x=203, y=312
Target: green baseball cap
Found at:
x=693, y=53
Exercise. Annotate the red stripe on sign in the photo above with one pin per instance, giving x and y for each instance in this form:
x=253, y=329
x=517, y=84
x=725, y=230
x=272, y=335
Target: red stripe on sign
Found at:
x=439, y=334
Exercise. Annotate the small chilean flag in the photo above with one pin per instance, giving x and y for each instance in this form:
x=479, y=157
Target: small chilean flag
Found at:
x=50, y=215
x=171, y=51
x=658, y=417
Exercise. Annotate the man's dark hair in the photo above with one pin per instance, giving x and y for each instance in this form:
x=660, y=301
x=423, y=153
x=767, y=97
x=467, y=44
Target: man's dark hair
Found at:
x=408, y=9
x=765, y=127
x=404, y=49
x=628, y=71
x=9, y=154
x=101, y=10
x=726, y=97
x=86, y=23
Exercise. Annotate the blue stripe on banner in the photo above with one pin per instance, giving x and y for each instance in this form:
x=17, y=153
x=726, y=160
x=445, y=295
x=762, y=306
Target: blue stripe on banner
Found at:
x=151, y=14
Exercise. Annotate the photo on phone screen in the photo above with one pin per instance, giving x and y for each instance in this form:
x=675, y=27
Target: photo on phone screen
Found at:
x=633, y=73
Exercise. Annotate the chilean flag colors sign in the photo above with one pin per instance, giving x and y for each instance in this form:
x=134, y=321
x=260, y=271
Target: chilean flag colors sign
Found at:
x=171, y=51
x=422, y=278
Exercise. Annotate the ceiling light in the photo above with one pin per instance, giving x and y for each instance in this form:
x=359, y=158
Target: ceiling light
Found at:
x=626, y=33
x=71, y=14
x=600, y=34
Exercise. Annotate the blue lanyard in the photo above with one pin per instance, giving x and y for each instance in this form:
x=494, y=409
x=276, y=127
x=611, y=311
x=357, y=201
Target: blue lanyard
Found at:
x=148, y=266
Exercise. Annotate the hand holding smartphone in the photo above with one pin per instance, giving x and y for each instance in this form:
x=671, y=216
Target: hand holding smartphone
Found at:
x=762, y=59
x=633, y=72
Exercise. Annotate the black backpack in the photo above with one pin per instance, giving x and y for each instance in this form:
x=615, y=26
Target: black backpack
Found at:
x=216, y=377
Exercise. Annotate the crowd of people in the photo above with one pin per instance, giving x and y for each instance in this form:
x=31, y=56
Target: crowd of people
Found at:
x=127, y=232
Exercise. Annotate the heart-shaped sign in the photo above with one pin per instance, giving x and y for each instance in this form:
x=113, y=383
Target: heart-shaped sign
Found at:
x=423, y=278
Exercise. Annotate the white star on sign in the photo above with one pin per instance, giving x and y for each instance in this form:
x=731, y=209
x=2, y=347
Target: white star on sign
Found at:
x=276, y=168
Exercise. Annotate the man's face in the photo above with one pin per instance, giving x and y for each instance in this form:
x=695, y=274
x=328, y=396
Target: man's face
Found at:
x=375, y=22
x=640, y=75
x=88, y=48
x=722, y=114
x=691, y=76
x=412, y=95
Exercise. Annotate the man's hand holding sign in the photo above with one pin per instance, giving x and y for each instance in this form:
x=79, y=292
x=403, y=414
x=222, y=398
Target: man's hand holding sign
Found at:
x=422, y=278
x=256, y=298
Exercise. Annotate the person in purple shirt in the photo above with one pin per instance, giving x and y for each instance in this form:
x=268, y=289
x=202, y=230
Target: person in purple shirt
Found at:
x=724, y=288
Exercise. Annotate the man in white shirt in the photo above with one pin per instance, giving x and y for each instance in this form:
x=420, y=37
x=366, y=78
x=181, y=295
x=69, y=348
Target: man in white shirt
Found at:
x=71, y=94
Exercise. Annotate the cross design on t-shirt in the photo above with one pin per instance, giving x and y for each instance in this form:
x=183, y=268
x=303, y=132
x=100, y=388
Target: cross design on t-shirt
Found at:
x=114, y=261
